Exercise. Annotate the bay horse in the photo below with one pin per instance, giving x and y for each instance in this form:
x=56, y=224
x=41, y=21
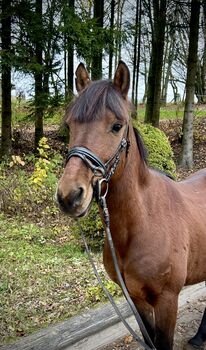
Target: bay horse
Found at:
x=158, y=225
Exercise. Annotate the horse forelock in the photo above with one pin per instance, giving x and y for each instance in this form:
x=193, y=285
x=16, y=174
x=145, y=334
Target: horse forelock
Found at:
x=94, y=101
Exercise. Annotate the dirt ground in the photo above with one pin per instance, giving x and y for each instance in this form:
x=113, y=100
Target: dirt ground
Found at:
x=188, y=320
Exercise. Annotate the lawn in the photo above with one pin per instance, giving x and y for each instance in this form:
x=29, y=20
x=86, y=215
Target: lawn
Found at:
x=45, y=276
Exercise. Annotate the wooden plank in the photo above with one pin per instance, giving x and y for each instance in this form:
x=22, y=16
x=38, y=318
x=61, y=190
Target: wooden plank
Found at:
x=90, y=330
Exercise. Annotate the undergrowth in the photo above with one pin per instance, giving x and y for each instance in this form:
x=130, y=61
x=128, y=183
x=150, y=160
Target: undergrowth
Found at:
x=45, y=276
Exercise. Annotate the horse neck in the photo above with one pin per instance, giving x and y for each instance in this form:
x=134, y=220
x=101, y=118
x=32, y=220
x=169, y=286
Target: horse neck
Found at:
x=125, y=194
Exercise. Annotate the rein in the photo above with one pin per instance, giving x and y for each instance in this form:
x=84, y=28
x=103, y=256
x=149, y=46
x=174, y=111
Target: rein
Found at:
x=105, y=171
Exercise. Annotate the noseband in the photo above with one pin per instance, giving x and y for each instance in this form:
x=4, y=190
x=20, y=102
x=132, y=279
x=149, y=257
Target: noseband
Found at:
x=104, y=171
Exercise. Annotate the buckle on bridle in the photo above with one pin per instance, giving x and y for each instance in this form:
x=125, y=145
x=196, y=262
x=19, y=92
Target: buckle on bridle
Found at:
x=99, y=192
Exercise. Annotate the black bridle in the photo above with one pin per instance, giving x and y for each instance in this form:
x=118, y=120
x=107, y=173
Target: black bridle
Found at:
x=103, y=173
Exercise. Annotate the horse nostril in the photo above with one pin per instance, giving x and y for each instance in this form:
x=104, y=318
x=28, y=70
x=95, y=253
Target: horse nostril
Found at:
x=79, y=194
x=74, y=198
x=71, y=200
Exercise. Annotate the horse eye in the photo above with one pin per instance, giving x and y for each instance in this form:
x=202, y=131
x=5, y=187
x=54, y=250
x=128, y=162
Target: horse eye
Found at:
x=116, y=127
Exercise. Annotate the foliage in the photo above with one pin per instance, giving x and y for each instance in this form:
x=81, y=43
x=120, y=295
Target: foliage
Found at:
x=30, y=192
x=160, y=154
x=95, y=293
x=92, y=228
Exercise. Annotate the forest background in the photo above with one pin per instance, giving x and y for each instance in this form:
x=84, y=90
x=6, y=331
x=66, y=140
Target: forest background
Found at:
x=164, y=44
x=158, y=38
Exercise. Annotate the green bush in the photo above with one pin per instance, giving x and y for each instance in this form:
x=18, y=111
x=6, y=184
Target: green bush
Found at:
x=160, y=154
x=92, y=228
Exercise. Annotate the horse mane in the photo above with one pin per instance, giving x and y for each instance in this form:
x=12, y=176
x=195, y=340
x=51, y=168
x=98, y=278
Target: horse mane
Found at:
x=93, y=102
x=142, y=149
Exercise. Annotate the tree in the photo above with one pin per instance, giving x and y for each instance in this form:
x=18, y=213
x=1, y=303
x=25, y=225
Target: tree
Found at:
x=96, y=66
x=137, y=46
x=68, y=14
x=38, y=74
x=169, y=51
x=118, y=37
x=158, y=23
x=111, y=38
x=200, y=88
x=186, y=160
x=204, y=54
x=37, y=42
x=6, y=136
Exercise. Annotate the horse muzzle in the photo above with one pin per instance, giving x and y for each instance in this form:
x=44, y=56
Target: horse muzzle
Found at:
x=74, y=192
x=74, y=203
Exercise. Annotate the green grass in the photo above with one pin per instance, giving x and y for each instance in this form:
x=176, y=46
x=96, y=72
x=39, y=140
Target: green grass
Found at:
x=172, y=111
x=23, y=112
x=44, y=277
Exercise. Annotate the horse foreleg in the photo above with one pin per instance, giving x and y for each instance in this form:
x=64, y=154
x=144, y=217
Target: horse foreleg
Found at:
x=165, y=320
x=147, y=315
x=200, y=336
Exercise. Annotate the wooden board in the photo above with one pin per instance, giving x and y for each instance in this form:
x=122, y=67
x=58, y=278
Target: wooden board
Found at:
x=91, y=330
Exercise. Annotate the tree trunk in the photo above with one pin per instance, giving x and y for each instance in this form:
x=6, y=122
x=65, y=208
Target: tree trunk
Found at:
x=170, y=58
x=6, y=138
x=96, y=67
x=199, y=83
x=118, y=39
x=152, y=112
x=138, y=54
x=145, y=40
x=186, y=160
x=135, y=51
x=70, y=58
x=111, y=44
x=204, y=56
x=38, y=76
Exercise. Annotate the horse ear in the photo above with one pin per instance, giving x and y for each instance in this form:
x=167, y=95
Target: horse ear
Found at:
x=122, y=79
x=82, y=77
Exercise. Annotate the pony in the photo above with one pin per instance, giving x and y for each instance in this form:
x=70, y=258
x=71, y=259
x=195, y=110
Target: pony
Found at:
x=158, y=225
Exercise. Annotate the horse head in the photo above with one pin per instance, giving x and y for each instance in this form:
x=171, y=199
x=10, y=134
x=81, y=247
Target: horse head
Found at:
x=98, y=122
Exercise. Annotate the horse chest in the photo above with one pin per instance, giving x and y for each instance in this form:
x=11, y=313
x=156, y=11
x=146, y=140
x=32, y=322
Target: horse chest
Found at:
x=143, y=278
